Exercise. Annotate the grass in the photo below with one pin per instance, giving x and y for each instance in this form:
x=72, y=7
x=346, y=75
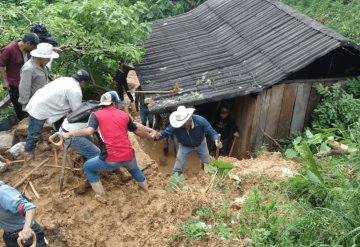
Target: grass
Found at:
x=303, y=211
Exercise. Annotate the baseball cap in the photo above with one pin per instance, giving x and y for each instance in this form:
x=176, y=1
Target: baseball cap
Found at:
x=109, y=97
x=32, y=38
x=81, y=75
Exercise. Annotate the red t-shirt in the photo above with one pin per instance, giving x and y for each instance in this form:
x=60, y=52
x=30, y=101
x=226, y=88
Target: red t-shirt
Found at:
x=12, y=58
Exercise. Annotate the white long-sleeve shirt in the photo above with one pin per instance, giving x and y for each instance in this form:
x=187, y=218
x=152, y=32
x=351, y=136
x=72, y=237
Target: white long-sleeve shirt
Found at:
x=55, y=99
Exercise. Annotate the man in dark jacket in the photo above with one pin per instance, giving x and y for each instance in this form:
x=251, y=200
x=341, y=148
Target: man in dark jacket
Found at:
x=190, y=132
x=225, y=125
x=121, y=81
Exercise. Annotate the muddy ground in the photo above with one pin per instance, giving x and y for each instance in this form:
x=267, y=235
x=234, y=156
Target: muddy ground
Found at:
x=131, y=217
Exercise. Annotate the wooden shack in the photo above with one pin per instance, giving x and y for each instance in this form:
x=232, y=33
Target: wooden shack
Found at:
x=261, y=53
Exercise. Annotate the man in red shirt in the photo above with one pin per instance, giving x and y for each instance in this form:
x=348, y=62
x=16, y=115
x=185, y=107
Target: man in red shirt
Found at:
x=112, y=125
x=12, y=58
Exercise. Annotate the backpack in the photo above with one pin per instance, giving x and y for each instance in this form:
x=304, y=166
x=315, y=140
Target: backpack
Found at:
x=82, y=113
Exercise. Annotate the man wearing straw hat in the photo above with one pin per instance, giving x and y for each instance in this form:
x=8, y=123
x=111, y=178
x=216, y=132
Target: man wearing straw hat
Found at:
x=17, y=218
x=35, y=74
x=190, y=130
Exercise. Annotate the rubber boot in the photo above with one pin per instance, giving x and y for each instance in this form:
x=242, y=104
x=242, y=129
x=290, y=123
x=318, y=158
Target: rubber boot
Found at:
x=100, y=192
x=143, y=185
x=98, y=188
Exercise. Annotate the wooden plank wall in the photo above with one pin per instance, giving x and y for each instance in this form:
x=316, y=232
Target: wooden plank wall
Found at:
x=277, y=111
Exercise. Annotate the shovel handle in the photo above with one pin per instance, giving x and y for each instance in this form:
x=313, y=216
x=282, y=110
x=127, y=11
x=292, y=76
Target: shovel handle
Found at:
x=59, y=137
x=233, y=145
x=217, y=149
x=33, y=236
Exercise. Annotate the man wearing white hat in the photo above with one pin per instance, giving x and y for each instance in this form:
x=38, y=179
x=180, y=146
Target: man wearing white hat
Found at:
x=190, y=130
x=35, y=74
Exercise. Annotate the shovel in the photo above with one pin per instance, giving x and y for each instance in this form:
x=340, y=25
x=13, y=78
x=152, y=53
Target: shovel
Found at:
x=233, y=145
x=62, y=176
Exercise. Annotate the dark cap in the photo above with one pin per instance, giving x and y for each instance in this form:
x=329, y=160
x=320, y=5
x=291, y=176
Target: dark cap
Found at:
x=32, y=38
x=81, y=75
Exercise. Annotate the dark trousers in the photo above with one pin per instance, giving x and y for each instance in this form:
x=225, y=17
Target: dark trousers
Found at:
x=14, y=97
x=10, y=239
x=121, y=87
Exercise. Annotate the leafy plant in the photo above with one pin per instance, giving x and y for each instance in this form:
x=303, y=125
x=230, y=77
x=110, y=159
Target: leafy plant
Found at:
x=176, y=183
x=195, y=229
x=6, y=112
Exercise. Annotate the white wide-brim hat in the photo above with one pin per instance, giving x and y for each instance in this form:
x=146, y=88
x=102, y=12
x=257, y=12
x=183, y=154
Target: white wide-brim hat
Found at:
x=44, y=50
x=180, y=116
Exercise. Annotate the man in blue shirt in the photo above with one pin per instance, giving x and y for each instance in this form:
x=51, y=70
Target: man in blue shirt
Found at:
x=17, y=218
x=190, y=132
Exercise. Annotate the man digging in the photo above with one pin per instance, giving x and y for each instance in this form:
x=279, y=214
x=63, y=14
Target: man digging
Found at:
x=190, y=130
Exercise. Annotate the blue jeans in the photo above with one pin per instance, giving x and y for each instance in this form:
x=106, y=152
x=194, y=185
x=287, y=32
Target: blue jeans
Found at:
x=95, y=165
x=184, y=152
x=84, y=146
x=10, y=239
x=146, y=116
x=34, y=132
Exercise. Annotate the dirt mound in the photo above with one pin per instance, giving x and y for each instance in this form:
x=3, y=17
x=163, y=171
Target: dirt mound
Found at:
x=131, y=217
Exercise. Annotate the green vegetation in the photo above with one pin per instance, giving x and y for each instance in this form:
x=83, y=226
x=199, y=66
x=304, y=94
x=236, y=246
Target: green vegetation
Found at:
x=340, y=15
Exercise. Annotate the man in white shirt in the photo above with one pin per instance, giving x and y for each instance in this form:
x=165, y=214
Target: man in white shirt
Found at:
x=51, y=103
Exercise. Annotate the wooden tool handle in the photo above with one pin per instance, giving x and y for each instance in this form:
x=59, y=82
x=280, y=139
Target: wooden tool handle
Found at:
x=33, y=236
x=59, y=137
x=217, y=149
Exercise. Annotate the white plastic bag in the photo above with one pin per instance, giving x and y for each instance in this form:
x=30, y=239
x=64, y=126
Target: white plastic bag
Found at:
x=17, y=149
x=2, y=167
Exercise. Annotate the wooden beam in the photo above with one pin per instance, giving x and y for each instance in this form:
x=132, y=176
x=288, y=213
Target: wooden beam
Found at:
x=302, y=98
x=5, y=100
x=273, y=114
x=288, y=102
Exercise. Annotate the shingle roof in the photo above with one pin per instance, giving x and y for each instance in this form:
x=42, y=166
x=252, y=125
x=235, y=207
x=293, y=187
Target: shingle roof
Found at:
x=227, y=48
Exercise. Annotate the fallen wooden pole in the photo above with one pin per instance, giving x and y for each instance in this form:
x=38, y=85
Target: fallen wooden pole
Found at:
x=15, y=161
x=34, y=190
x=29, y=174
x=68, y=168
x=26, y=185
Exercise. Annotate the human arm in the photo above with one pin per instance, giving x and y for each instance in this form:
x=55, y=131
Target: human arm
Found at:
x=209, y=130
x=12, y=201
x=4, y=58
x=26, y=232
x=144, y=132
x=25, y=86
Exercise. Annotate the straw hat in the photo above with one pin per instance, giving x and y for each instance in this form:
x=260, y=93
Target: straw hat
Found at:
x=44, y=50
x=180, y=116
